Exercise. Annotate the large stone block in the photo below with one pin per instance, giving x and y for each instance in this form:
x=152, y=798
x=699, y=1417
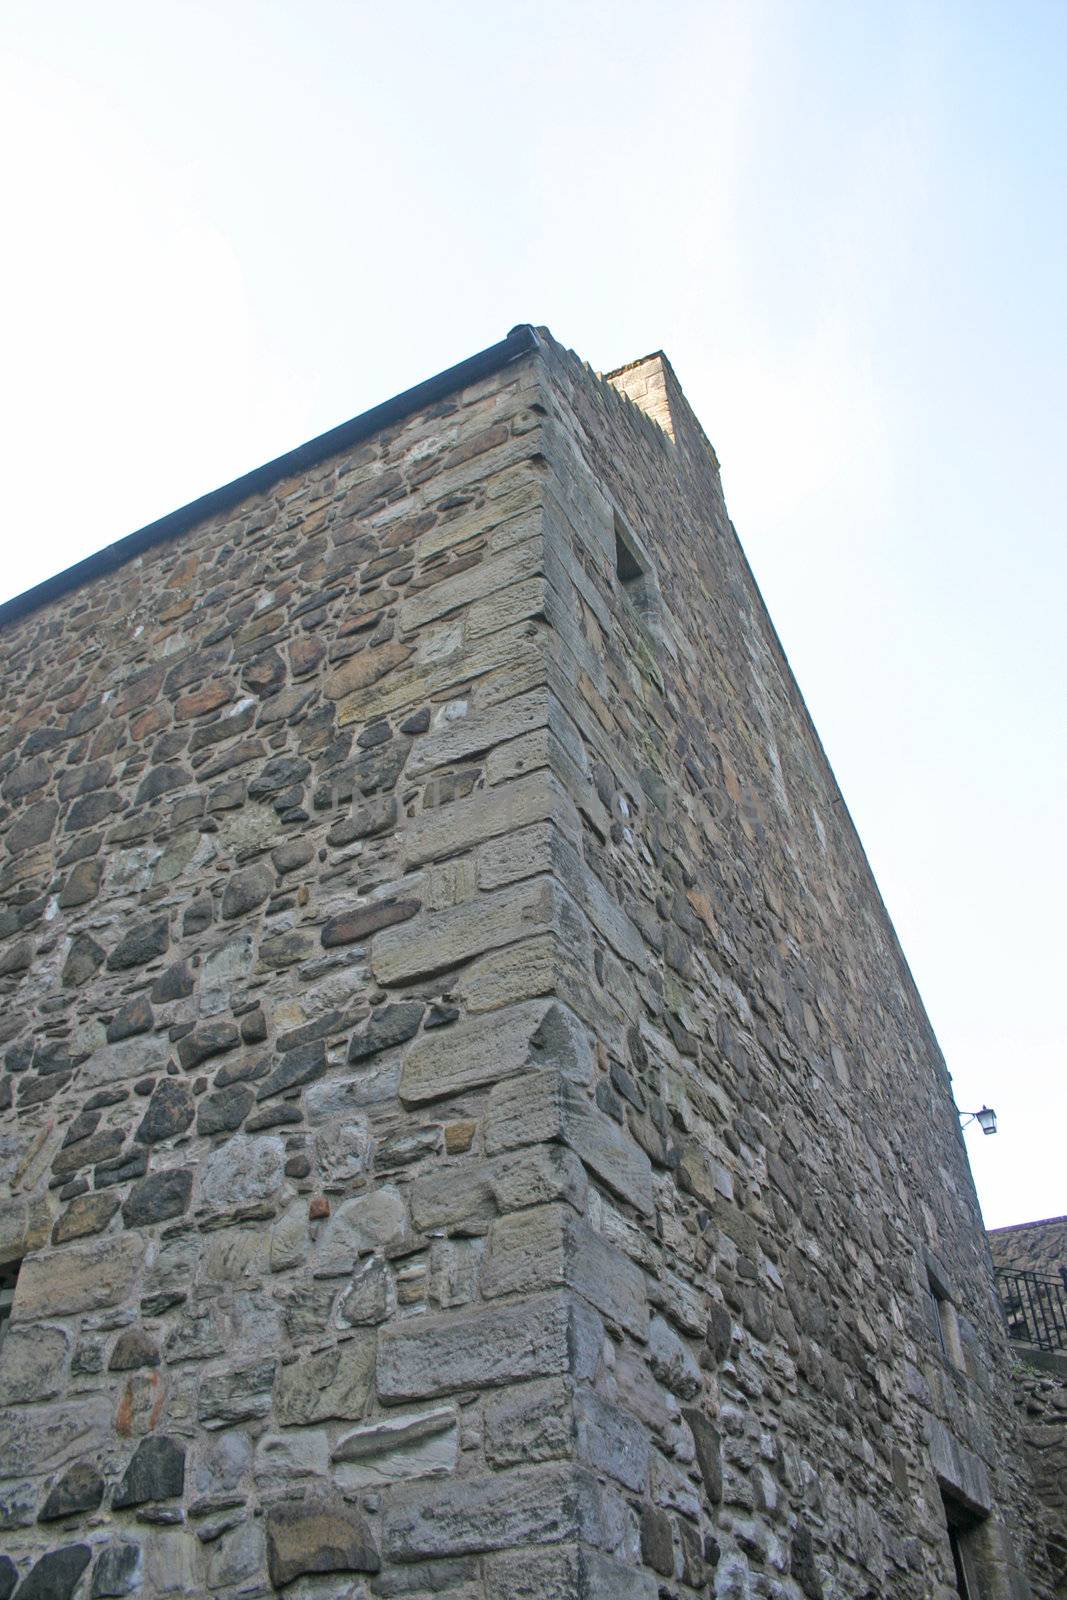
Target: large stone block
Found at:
x=485, y=1049
x=548, y=1106
x=534, y=1249
x=317, y=1534
x=413, y=1444
x=437, y=940
x=526, y=1505
x=448, y=829
x=327, y=1384
x=80, y=1277
x=435, y=1355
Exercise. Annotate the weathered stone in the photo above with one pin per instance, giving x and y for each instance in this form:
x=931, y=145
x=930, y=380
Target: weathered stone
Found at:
x=55, y=1576
x=170, y=1111
x=239, y=1396
x=532, y=1422
x=331, y=1383
x=472, y=1054
x=296, y=1067
x=422, y=1444
x=82, y=885
x=8, y=1577
x=709, y=1459
x=359, y=1226
x=32, y=827
x=316, y=1535
x=156, y=1472
x=390, y=1025
x=118, y=1571
x=244, y=1171
x=79, y=1488
x=78, y=1278
x=352, y=927
x=225, y=1110
x=144, y=942
x=527, y=1505
x=674, y=1365
x=207, y=1040
x=486, y=1346
x=158, y=1197
x=32, y=1362
x=246, y=890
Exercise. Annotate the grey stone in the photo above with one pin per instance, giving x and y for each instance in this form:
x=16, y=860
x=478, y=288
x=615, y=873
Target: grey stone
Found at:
x=388, y=1026
x=134, y=1018
x=56, y=1575
x=708, y=1450
x=155, y=1472
x=117, y=1572
x=244, y=1171
x=224, y=1110
x=611, y=1441
x=318, y=1534
x=247, y=890
x=79, y=1488
x=674, y=1365
x=158, y=1197
x=8, y=1577
x=207, y=1040
x=295, y=1068
x=169, y=1113
x=144, y=942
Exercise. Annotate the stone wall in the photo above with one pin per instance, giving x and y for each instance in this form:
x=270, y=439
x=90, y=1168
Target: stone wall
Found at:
x=468, y=1128
x=1031, y=1246
x=1041, y=1398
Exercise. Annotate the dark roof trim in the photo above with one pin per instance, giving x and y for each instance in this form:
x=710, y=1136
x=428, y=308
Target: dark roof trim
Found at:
x=519, y=342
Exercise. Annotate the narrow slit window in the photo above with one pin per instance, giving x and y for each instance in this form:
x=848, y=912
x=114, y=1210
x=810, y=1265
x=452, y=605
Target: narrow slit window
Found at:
x=963, y=1532
x=8, y=1278
x=633, y=571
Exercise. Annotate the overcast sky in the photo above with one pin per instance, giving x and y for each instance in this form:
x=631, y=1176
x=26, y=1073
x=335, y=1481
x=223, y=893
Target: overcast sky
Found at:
x=230, y=226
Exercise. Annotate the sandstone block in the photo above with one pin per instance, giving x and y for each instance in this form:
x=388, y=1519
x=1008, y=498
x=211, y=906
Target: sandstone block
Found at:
x=442, y=939
x=242, y=1395
x=360, y=1226
x=532, y=1422
x=526, y=1505
x=420, y=1444
x=53, y=1435
x=328, y=1384
x=486, y=1049
x=78, y=1278
x=489, y=1345
x=246, y=1170
x=32, y=1363
x=448, y=829
x=611, y=1441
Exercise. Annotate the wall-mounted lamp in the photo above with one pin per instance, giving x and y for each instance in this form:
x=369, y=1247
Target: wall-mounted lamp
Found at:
x=986, y=1119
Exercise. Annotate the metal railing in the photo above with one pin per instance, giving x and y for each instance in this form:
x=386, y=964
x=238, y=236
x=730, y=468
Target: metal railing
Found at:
x=1035, y=1307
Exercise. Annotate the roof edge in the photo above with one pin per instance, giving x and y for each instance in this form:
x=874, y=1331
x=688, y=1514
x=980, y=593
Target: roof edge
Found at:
x=519, y=342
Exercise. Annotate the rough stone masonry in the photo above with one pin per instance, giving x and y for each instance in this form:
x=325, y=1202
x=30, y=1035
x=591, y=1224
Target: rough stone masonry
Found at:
x=468, y=1128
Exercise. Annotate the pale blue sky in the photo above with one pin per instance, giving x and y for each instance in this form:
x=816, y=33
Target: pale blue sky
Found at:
x=232, y=225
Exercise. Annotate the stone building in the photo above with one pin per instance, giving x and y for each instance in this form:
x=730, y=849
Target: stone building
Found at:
x=468, y=1127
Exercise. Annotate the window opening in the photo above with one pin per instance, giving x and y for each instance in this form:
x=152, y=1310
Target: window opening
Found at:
x=945, y=1321
x=8, y=1279
x=636, y=579
x=962, y=1528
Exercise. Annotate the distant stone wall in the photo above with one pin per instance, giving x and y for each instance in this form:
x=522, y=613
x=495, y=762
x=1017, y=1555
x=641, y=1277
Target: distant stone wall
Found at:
x=467, y=1127
x=1031, y=1246
x=1041, y=1398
